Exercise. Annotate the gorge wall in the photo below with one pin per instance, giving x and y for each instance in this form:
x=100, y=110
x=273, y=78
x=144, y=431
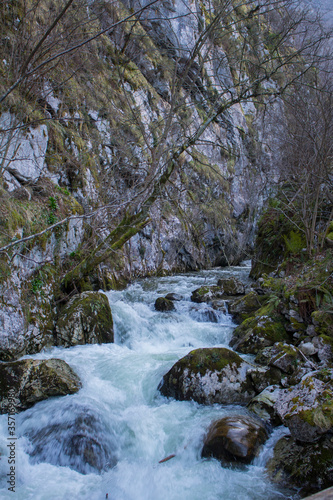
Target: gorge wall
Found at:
x=85, y=140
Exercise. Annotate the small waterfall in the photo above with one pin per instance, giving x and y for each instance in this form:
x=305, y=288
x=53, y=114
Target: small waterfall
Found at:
x=110, y=437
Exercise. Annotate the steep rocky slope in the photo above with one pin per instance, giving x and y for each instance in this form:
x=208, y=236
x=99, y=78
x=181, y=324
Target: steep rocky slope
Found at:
x=86, y=139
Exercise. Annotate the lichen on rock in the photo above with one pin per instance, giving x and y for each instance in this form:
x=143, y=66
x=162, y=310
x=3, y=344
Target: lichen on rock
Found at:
x=210, y=375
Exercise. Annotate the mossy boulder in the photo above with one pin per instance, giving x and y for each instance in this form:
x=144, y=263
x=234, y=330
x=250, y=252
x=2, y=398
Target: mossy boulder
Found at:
x=24, y=383
x=231, y=286
x=210, y=375
x=86, y=319
x=244, y=307
x=234, y=439
x=258, y=332
x=163, y=304
x=306, y=467
x=307, y=408
x=207, y=294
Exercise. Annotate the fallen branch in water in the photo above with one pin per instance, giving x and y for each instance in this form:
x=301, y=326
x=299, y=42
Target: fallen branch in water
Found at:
x=166, y=459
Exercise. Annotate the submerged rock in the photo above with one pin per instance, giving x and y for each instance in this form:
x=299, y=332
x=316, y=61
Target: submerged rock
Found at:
x=163, y=304
x=307, y=408
x=24, y=383
x=236, y=438
x=211, y=375
x=307, y=467
x=78, y=439
x=206, y=314
x=86, y=319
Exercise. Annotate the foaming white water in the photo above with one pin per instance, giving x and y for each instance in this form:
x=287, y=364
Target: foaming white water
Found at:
x=110, y=436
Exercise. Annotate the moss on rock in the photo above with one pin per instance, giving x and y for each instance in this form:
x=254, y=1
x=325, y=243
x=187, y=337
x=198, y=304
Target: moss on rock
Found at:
x=210, y=375
x=24, y=383
x=86, y=319
x=307, y=467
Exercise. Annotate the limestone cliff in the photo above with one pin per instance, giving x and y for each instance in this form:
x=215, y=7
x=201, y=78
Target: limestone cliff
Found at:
x=84, y=139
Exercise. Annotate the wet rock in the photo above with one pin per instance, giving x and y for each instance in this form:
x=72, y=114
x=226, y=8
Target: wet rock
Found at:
x=211, y=375
x=233, y=439
x=86, y=319
x=206, y=314
x=163, y=304
x=174, y=297
x=307, y=467
x=24, y=383
x=257, y=333
x=219, y=305
x=244, y=307
x=78, y=438
x=231, y=286
x=202, y=294
x=307, y=408
x=263, y=405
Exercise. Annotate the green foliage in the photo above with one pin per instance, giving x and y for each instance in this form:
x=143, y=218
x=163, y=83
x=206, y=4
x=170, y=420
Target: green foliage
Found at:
x=294, y=242
x=36, y=285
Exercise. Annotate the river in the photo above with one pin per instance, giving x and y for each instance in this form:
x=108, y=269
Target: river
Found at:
x=106, y=441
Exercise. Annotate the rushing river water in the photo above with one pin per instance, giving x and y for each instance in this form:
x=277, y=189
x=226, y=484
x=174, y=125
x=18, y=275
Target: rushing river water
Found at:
x=110, y=436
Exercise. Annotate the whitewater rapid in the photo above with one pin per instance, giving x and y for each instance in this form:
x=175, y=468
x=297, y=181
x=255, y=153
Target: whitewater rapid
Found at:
x=129, y=426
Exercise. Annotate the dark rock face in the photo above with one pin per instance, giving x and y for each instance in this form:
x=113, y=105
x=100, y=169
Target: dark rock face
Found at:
x=86, y=319
x=234, y=439
x=163, y=304
x=75, y=440
x=307, y=467
x=211, y=375
x=24, y=383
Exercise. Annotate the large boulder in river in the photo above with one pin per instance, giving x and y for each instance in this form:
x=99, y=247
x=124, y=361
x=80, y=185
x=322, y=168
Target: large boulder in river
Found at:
x=25, y=382
x=211, y=375
x=207, y=294
x=236, y=438
x=86, y=319
x=306, y=467
x=307, y=408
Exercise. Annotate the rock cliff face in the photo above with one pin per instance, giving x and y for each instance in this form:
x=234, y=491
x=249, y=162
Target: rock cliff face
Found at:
x=81, y=146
